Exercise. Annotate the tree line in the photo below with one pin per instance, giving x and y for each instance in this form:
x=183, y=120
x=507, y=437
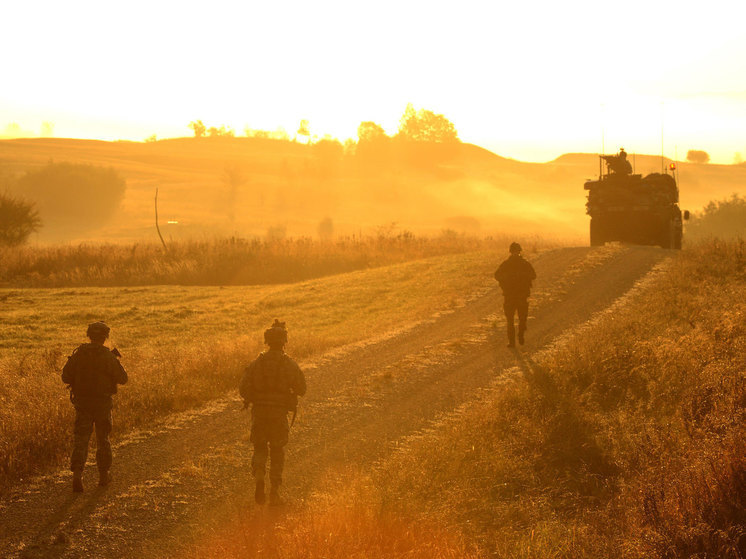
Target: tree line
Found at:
x=415, y=125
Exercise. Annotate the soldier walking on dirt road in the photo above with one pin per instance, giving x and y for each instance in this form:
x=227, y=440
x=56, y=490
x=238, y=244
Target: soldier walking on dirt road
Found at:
x=515, y=276
x=93, y=373
x=271, y=384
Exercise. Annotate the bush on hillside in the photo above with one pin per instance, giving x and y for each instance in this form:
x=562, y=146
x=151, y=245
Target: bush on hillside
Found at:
x=73, y=194
x=697, y=156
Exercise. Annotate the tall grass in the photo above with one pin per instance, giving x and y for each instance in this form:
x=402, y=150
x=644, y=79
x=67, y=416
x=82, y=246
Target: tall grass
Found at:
x=626, y=440
x=231, y=261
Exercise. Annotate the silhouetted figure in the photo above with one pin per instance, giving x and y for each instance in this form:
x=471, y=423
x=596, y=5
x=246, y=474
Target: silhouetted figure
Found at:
x=271, y=384
x=618, y=164
x=515, y=276
x=93, y=373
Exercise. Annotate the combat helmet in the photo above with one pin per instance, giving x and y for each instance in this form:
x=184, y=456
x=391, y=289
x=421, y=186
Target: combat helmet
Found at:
x=98, y=330
x=276, y=334
x=515, y=248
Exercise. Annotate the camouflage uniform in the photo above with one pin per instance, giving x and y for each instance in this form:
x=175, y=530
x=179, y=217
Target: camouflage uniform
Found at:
x=515, y=276
x=272, y=384
x=92, y=372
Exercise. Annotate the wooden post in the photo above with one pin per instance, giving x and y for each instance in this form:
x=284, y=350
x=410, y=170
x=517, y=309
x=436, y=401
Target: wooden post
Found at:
x=156, y=221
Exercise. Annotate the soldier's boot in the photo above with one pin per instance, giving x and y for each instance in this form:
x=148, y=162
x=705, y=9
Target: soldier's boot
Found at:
x=259, y=496
x=274, y=496
x=77, y=482
x=104, y=478
x=521, y=339
x=511, y=340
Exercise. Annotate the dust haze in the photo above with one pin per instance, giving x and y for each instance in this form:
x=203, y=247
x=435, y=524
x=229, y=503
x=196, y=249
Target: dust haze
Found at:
x=258, y=186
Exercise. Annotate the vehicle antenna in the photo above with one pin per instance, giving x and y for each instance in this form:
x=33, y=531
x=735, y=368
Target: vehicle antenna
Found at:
x=603, y=146
x=663, y=162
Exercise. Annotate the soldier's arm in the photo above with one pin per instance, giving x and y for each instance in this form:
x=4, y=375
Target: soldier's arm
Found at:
x=532, y=272
x=500, y=272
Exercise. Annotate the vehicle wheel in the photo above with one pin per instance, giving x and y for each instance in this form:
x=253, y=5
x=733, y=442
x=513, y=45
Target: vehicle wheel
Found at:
x=678, y=234
x=667, y=236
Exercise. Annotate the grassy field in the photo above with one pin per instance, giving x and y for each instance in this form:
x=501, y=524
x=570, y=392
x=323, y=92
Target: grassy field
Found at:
x=624, y=441
x=184, y=345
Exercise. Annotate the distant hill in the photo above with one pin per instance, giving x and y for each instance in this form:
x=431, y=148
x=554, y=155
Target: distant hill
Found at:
x=245, y=186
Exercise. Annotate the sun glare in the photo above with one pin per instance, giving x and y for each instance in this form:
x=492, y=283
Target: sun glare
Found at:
x=527, y=80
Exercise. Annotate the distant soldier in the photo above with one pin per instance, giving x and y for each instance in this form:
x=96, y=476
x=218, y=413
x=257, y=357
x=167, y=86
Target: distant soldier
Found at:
x=271, y=384
x=515, y=276
x=93, y=373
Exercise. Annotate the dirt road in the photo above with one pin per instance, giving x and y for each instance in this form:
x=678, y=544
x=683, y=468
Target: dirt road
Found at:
x=178, y=482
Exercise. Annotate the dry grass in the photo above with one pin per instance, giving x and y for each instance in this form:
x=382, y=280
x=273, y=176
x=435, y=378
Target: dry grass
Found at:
x=625, y=441
x=230, y=261
x=338, y=524
x=184, y=345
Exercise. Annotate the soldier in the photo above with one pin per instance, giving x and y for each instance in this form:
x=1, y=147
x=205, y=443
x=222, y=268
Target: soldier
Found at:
x=515, y=276
x=272, y=384
x=618, y=164
x=92, y=373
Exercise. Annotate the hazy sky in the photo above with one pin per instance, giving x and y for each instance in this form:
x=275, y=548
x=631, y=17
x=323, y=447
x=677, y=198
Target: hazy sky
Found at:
x=529, y=80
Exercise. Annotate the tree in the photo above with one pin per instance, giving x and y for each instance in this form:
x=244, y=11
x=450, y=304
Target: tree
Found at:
x=369, y=131
x=18, y=219
x=697, y=156
x=198, y=128
x=304, y=130
x=373, y=147
x=74, y=195
x=426, y=126
x=222, y=132
x=720, y=218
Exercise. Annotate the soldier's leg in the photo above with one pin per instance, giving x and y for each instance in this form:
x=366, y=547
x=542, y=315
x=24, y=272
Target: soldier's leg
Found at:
x=81, y=436
x=103, y=445
x=277, y=444
x=261, y=451
x=276, y=463
x=522, y=309
x=259, y=459
x=509, y=308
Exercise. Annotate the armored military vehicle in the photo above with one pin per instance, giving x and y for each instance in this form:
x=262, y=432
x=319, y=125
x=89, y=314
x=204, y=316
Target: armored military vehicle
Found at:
x=634, y=209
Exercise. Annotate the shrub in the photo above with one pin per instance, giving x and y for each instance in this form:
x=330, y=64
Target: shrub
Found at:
x=18, y=219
